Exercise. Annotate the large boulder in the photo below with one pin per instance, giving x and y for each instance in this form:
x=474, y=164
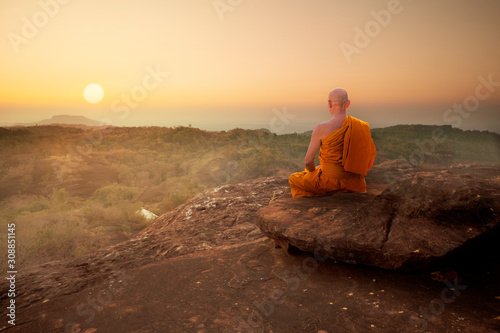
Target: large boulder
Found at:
x=407, y=219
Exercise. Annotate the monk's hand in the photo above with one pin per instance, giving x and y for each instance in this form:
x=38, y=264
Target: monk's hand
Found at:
x=310, y=167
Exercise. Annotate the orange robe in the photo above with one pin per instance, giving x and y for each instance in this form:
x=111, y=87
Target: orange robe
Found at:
x=346, y=155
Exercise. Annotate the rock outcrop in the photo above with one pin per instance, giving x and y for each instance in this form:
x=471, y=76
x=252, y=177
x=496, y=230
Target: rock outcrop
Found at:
x=417, y=218
x=217, y=218
x=206, y=267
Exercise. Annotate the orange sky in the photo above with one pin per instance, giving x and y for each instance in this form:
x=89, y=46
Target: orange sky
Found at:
x=244, y=60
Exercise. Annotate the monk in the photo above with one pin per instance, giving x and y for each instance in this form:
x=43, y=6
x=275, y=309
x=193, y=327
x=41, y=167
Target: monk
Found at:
x=346, y=153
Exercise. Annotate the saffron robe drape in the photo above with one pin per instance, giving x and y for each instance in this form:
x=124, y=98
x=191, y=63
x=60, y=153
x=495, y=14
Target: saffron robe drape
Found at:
x=345, y=157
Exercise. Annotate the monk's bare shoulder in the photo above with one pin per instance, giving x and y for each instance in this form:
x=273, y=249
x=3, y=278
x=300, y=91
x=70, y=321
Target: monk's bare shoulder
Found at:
x=323, y=129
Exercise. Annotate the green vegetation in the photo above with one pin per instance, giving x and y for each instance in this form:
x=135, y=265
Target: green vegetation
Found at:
x=72, y=190
x=436, y=145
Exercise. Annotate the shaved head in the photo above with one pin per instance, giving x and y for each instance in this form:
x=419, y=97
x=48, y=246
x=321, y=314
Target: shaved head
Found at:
x=338, y=97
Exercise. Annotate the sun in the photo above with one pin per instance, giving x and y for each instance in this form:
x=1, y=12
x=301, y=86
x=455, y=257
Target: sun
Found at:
x=93, y=93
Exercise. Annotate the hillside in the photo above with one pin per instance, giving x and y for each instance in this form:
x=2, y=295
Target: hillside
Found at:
x=439, y=145
x=75, y=190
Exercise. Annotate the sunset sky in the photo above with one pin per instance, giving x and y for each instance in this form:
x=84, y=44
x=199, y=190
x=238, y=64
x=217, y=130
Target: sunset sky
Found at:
x=228, y=63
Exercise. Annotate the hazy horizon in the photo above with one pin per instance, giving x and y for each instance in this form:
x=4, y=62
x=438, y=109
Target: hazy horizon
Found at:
x=288, y=120
x=220, y=65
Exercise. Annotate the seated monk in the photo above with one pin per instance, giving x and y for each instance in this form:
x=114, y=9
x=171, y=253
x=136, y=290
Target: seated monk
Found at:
x=347, y=153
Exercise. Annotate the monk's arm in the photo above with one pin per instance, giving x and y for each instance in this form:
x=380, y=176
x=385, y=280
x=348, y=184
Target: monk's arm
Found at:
x=313, y=149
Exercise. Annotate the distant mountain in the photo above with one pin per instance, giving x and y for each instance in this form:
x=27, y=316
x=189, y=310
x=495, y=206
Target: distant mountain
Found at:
x=70, y=120
x=65, y=120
